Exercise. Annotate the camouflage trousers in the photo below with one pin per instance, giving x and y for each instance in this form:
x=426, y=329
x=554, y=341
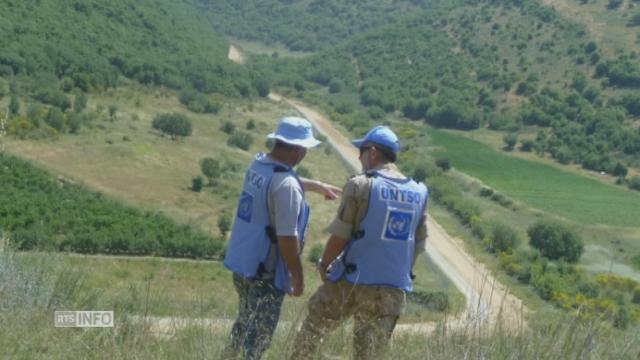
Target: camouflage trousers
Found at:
x=375, y=311
x=259, y=305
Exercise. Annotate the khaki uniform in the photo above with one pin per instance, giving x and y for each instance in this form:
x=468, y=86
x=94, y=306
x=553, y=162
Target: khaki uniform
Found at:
x=375, y=309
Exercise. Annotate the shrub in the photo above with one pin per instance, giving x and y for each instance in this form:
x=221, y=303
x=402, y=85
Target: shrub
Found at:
x=224, y=223
x=211, y=168
x=502, y=238
x=80, y=102
x=444, y=164
x=510, y=141
x=173, y=124
x=198, y=102
x=240, y=139
x=527, y=145
x=634, y=183
x=228, y=127
x=315, y=253
x=197, y=183
x=486, y=192
x=555, y=241
x=336, y=86
x=420, y=174
x=54, y=97
x=55, y=119
x=262, y=86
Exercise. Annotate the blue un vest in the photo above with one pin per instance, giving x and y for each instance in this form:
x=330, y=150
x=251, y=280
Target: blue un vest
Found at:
x=381, y=252
x=252, y=251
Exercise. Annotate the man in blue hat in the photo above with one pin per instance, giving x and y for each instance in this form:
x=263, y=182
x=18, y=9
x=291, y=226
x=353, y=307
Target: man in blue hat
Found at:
x=268, y=235
x=379, y=230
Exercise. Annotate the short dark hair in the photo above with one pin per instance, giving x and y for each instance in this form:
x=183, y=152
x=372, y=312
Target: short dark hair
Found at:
x=386, y=152
x=285, y=146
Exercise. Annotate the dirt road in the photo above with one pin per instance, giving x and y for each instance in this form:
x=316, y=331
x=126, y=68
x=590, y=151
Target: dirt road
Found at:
x=487, y=299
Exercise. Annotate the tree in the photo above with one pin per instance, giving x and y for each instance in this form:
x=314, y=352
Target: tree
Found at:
x=113, y=109
x=211, y=168
x=614, y=4
x=80, y=102
x=173, y=124
x=635, y=19
x=228, y=127
x=527, y=145
x=196, y=184
x=55, y=119
x=224, y=224
x=262, y=86
x=555, y=241
x=510, y=141
x=443, y=163
x=14, y=106
x=336, y=86
x=619, y=170
x=240, y=139
x=502, y=238
x=634, y=183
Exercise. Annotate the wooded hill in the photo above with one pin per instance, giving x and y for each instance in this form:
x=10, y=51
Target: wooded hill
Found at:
x=87, y=45
x=510, y=65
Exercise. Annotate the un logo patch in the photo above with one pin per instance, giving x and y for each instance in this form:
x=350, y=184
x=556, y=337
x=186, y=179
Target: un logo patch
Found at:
x=245, y=206
x=398, y=225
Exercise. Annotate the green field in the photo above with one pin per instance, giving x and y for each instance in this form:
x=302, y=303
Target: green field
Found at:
x=543, y=187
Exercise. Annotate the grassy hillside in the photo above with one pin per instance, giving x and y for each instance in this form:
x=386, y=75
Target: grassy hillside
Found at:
x=613, y=23
x=36, y=286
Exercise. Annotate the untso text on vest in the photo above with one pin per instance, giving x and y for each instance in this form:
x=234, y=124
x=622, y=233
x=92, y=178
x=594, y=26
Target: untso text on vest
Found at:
x=252, y=251
x=381, y=252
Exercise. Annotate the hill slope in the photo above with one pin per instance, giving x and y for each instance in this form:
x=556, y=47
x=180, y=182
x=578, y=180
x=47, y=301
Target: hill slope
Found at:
x=88, y=44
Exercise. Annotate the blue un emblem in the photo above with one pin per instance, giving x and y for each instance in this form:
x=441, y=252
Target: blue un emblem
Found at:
x=398, y=225
x=245, y=206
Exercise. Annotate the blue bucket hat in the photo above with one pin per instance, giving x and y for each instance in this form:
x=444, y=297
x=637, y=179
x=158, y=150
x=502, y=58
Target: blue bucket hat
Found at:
x=295, y=131
x=380, y=135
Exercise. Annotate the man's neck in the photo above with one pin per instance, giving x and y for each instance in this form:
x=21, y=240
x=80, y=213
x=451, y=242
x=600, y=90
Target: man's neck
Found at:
x=280, y=157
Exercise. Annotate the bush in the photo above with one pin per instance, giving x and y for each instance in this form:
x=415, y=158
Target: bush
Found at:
x=240, y=139
x=54, y=97
x=486, y=192
x=444, y=164
x=420, y=174
x=502, y=238
x=228, y=127
x=211, y=168
x=336, y=86
x=555, y=241
x=315, y=253
x=527, y=145
x=510, y=141
x=80, y=102
x=224, y=224
x=197, y=183
x=198, y=102
x=173, y=124
x=634, y=183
